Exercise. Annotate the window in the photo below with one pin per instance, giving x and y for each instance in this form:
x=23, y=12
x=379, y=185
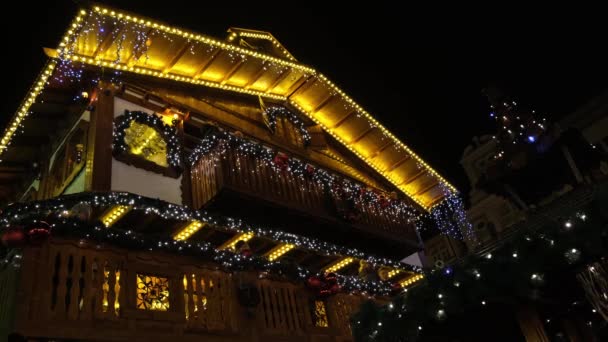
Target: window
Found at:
x=320, y=314
x=145, y=141
x=152, y=293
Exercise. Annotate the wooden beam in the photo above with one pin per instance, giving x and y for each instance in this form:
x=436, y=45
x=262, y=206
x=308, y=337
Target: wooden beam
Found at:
x=361, y=136
x=176, y=57
x=232, y=71
x=413, y=178
x=425, y=189
x=206, y=64
x=137, y=54
x=398, y=163
x=328, y=99
x=304, y=87
x=258, y=74
x=278, y=80
x=106, y=42
x=343, y=119
x=381, y=149
x=296, y=85
x=98, y=170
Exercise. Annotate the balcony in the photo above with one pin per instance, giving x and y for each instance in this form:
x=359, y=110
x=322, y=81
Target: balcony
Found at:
x=235, y=178
x=70, y=289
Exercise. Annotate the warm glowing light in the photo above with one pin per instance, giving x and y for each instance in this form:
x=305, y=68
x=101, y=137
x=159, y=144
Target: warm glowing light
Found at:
x=279, y=250
x=411, y=280
x=339, y=264
x=233, y=241
x=189, y=230
x=393, y=272
x=114, y=214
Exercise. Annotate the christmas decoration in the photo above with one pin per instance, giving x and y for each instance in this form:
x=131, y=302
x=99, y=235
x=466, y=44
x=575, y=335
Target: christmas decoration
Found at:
x=39, y=233
x=523, y=269
x=275, y=111
x=168, y=133
x=594, y=279
x=324, y=285
x=517, y=127
x=13, y=237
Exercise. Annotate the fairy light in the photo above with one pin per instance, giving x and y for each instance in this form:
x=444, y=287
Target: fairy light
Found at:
x=393, y=273
x=339, y=265
x=411, y=280
x=230, y=244
x=279, y=250
x=114, y=214
x=189, y=230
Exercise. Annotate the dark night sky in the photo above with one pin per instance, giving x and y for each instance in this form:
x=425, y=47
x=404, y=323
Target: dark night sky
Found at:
x=420, y=71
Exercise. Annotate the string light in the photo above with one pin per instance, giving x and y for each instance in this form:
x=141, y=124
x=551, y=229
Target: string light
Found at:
x=339, y=264
x=189, y=230
x=279, y=250
x=114, y=214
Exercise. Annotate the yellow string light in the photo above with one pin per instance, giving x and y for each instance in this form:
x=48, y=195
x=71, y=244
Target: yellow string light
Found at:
x=189, y=230
x=233, y=241
x=279, y=250
x=114, y=214
x=411, y=280
x=339, y=264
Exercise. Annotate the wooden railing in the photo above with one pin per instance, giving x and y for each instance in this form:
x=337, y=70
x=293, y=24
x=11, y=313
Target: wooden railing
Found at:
x=73, y=290
x=248, y=175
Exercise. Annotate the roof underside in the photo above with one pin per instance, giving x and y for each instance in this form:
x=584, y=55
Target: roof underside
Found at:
x=114, y=40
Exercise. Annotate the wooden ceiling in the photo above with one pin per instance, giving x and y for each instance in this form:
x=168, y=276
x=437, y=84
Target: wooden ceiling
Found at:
x=248, y=62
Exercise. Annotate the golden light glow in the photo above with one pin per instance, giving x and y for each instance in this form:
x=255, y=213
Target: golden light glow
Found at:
x=170, y=76
x=321, y=314
x=41, y=81
x=411, y=280
x=145, y=141
x=186, y=232
x=339, y=264
x=152, y=293
x=114, y=214
x=393, y=273
x=201, y=38
x=411, y=194
x=238, y=237
x=279, y=250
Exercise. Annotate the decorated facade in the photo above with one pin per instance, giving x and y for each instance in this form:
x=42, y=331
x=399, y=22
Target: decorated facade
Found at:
x=164, y=184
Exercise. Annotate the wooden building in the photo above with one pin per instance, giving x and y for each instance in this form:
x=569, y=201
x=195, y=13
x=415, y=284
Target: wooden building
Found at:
x=162, y=184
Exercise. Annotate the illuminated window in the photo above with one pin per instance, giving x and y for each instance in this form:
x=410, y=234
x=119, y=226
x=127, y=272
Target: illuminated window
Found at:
x=191, y=300
x=152, y=293
x=145, y=141
x=108, y=278
x=320, y=314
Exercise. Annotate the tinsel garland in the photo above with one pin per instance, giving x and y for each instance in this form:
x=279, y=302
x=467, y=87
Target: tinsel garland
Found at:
x=228, y=260
x=26, y=211
x=531, y=267
x=274, y=111
x=219, y=142
x=169, y=134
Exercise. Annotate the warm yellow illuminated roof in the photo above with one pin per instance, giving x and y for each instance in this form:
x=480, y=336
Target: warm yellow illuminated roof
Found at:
x=182, y=56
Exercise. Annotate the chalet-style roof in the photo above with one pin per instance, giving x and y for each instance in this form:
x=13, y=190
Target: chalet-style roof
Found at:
x=248, y=62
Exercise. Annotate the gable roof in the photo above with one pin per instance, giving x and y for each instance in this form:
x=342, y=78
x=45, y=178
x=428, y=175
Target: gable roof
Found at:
x=111, y=39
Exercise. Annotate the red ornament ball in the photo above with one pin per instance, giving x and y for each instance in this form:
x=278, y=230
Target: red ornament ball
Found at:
x=13, y=238
x=314, y=282
x=39, y=233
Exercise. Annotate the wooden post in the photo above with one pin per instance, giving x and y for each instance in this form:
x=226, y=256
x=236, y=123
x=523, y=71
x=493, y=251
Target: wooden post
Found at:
x=98, y=176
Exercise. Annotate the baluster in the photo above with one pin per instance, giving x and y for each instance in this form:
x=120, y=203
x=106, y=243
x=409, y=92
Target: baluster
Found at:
x=276, y=307
x=74, y=304
x=268, y=308
x=190, y=294
x=294, y=310
x=287, y=309
x=85, y=310
x=110, y=313
x=61, y=287
x=201, y=309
